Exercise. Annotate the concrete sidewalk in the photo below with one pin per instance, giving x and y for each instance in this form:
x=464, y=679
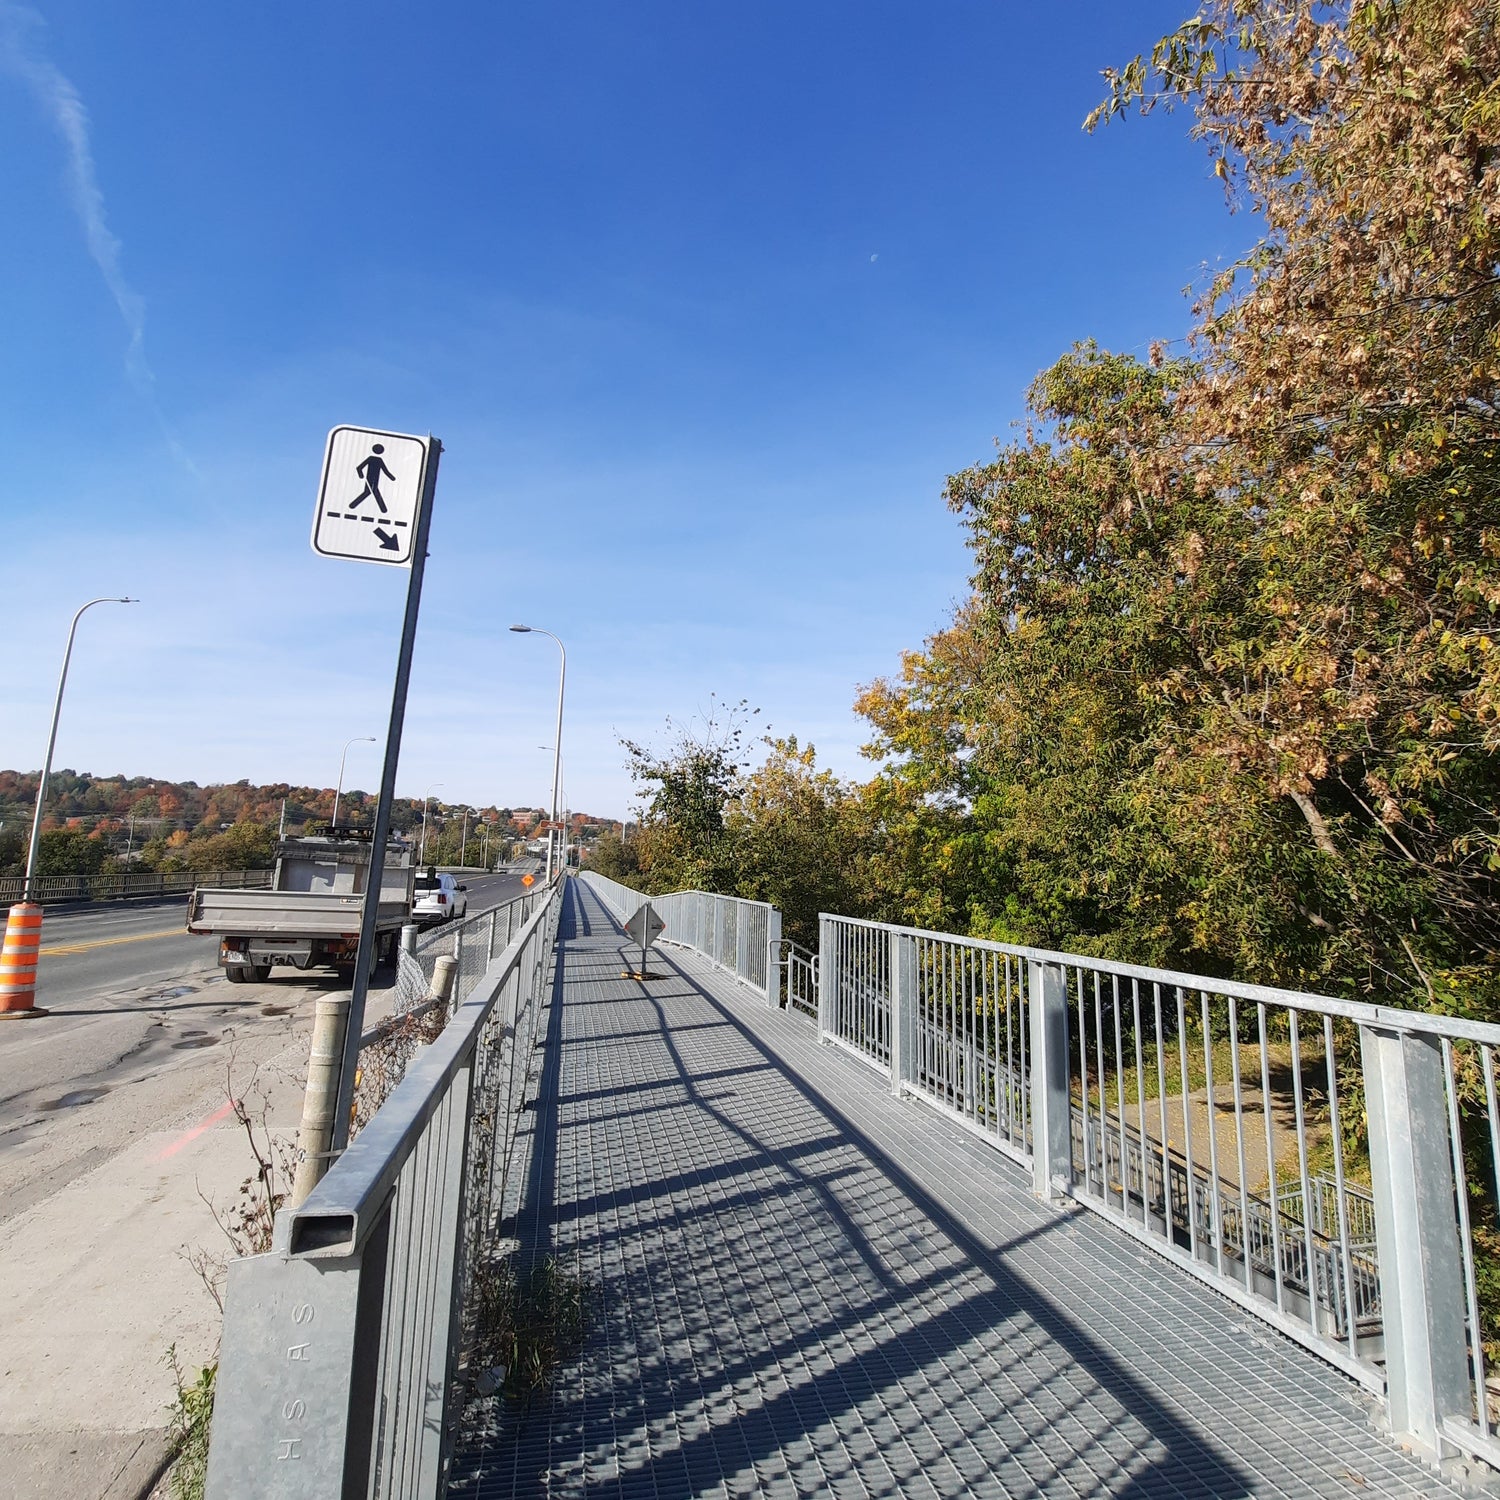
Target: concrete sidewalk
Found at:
x=96, y=1274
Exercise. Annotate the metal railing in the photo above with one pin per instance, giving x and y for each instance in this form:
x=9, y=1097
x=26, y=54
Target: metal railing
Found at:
x=342, y=1365
x=737, y=935
x=475, y=941
x=50, y=889
x=1222, y=1124
x=387, y=1047
x=799, y=977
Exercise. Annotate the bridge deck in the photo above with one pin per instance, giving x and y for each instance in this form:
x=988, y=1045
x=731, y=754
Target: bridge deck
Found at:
x=800, y=1285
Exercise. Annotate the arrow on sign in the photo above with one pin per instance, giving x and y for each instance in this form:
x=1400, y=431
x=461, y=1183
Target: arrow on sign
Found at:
x=387, y=542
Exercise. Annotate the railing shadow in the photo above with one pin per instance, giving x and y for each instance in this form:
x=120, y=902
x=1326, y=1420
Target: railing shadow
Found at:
x=852, y=1300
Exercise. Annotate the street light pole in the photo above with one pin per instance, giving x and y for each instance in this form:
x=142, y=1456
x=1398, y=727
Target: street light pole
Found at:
x=562, y=680
x=41, y=790
x=427, y=797
x=359, y=739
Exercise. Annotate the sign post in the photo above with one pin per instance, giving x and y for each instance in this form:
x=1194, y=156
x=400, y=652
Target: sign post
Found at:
x=375, y=505
x=645, y=926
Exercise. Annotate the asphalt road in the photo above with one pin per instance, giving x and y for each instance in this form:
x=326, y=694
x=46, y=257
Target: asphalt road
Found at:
x=95, y=951
x=121, y=1164
x=132, y=996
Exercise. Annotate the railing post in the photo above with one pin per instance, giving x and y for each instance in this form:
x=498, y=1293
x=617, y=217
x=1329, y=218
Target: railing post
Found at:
x=828, y=978
x=903, y=1011
x=773, y=958
x=741, y=944
x=295, y=1387
x=1051, y=1141
x=490, y=944
x=1416, y=1235
x=443, y=1243
x=718, y=949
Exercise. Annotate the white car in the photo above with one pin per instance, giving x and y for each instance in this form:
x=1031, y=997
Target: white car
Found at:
x=438, y=898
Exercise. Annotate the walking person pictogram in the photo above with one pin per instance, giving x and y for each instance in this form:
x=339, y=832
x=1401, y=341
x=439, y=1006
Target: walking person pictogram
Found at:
x=372, y=471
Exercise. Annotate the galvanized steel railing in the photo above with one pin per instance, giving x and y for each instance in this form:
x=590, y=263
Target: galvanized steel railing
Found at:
x=475, y=941
x=50, y=889
x=799, y=977
x=1221, y=1124
x=739, y=936
x=341, y=1365
x=387, y=1047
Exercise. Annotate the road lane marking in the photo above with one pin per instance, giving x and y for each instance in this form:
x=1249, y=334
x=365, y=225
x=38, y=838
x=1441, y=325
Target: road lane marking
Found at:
x=197, y=1130
x=136, y=937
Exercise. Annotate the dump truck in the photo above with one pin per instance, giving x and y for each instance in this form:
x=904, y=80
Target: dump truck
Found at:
x=311, y=914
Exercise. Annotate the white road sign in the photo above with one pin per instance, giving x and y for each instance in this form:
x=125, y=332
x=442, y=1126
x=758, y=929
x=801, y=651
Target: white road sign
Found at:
x=367, y=502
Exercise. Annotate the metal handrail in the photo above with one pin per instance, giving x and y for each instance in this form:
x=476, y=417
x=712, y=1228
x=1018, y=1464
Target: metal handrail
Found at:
x=1147, y=1095
x=125, y=884
x=732, y=932
x=342, y=1345
x=1385, y=1016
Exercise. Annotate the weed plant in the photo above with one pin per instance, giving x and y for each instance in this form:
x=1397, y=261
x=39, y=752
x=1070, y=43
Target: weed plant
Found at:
x=530, y=1322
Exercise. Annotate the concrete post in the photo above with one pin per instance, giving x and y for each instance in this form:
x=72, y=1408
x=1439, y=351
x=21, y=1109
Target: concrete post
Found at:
x=444, y=972
x=1051, y=1139
x=315, y=1135
x=1416, y=1236
x=903, y=1011
x=409, y=938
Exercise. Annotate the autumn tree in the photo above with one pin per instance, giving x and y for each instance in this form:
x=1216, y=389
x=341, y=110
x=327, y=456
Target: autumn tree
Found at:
x=687, y=790
x=1227, y=689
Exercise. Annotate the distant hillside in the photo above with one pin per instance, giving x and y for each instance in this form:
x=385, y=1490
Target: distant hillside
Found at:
x=158, y=818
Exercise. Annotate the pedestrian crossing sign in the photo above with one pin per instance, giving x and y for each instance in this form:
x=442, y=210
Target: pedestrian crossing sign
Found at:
x=369, y=497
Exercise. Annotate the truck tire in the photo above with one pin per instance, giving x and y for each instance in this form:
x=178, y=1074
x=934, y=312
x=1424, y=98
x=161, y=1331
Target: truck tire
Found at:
x=237, y=973
x=259, y=973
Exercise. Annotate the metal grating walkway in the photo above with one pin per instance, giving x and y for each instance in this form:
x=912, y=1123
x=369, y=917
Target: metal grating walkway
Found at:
x=802, y=1286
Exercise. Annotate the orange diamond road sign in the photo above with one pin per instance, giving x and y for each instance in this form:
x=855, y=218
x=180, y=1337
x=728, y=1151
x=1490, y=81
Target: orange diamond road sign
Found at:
x=528, y=880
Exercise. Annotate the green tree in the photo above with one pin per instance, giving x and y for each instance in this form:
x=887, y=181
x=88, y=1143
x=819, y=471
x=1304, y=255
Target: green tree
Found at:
x=615, y=859
x=70, y=851
x=1227, y=690
x=244, y=846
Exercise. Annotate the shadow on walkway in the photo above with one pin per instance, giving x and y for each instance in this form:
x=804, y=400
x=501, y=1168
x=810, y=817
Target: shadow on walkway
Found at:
x=780, y=1306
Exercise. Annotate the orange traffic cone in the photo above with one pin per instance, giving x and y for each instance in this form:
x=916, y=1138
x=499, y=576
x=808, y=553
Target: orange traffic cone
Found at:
x=23, y=936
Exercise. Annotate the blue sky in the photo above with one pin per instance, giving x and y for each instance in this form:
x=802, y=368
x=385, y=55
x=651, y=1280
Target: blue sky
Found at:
x=703, y=300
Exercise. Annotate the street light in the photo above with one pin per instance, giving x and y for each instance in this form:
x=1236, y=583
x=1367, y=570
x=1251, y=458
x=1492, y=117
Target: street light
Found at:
x=422, y=852
x=557, y=746
x=359, y=739
x=41, y=790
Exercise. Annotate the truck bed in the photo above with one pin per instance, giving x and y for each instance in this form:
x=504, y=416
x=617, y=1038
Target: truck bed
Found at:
x=311, y=914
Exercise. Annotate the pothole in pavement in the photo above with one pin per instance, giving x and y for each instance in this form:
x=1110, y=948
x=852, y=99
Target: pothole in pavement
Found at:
x=71, y=1101
x=276, y=1010
x=177, y=993
x=194, y=1039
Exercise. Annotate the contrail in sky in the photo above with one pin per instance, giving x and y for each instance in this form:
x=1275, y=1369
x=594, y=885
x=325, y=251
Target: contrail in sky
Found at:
x=21, y=54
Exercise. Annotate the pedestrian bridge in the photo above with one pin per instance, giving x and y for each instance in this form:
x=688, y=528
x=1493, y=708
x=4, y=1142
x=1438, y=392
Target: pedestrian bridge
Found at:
x=919, y=1217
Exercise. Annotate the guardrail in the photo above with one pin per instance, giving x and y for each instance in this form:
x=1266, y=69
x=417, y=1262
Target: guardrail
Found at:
x=738, y=936
x=387, y=1047
x=342, y=1360
x=1220, y=1124
x=474, y=941
x=799, y=977
x=50, y=889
